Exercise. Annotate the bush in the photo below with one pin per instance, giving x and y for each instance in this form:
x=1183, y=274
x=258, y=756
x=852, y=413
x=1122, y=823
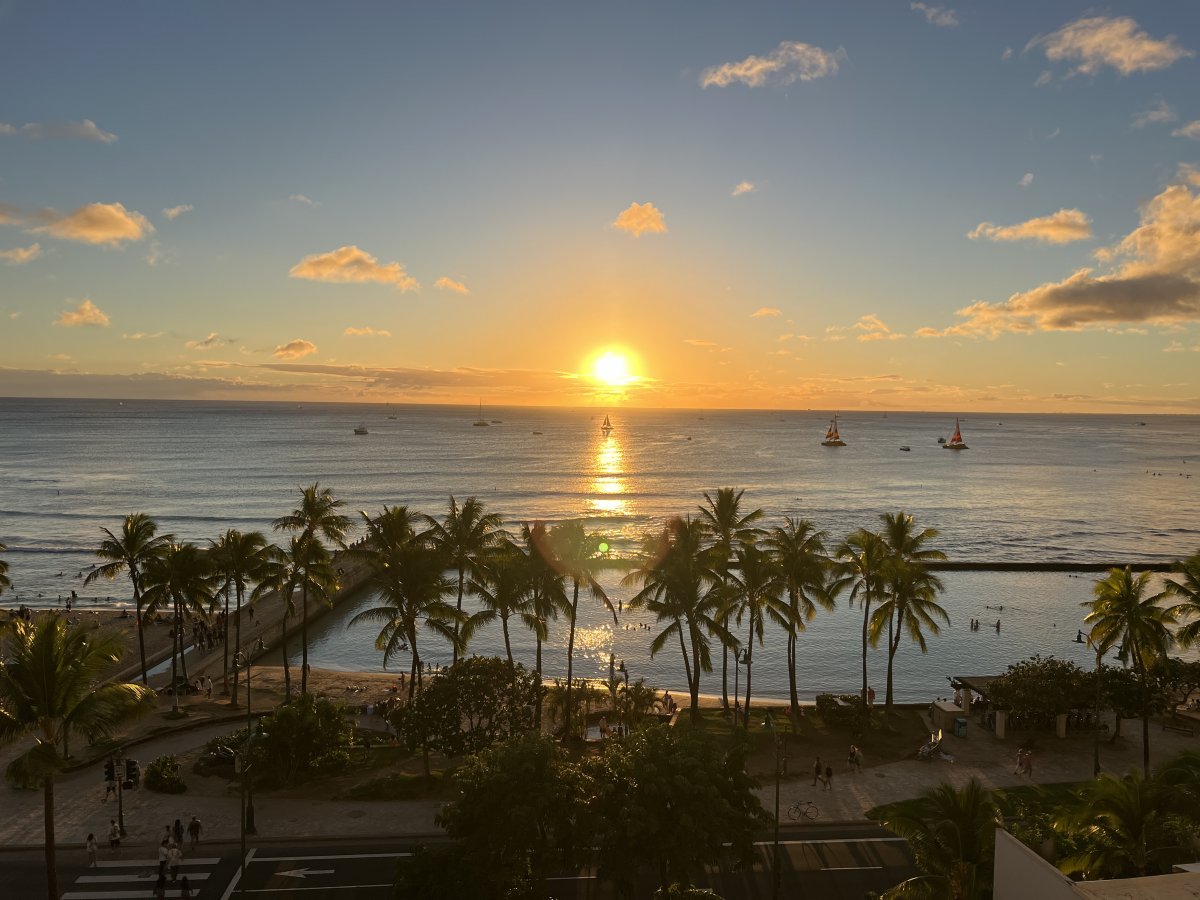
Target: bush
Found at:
x=304, y=739
x=164, y=775
x=844, y=711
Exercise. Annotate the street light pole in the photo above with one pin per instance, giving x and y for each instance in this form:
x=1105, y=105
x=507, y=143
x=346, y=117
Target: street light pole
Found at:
x=1079, y=639
x=775, y=873
x=241, y=660
x=624, y=700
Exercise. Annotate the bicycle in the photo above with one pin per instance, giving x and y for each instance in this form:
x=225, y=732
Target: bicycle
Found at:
x=805, y=809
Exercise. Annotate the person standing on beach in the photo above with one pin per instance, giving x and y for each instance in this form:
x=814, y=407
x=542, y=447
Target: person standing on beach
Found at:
x=816, y=771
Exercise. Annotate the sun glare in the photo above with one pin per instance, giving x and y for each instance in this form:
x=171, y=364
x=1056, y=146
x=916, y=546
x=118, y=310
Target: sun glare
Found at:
x=612, y=368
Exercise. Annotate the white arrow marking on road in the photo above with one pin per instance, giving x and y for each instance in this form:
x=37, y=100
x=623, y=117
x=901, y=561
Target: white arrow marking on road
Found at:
x=304, y=873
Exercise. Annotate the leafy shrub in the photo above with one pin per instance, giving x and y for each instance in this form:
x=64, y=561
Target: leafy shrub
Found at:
x=164, y=775
x=840, y=711
x=304, y=739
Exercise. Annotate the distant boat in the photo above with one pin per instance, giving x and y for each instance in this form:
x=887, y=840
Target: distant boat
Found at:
x=391, y=414
x=832, y=437
x=481, y=422
x=956, y=442
x=361, y=429
x=941, y=440
x=906, y=448
x=537, y=432
x=607, y=427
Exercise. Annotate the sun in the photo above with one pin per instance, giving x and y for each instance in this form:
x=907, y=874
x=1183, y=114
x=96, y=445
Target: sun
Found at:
x=613, y=369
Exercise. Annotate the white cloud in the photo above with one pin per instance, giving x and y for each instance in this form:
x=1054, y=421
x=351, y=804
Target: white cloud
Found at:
x=937, y=15
x=6, y=128
x=141, y=336
x=1026, y=179
x=1097, y=41
x=788, y=63
x=1062, y=227
x=366, y=331
x=300, y=198
x=764, y=312
x=19, y=255
x=211, y=342
x=1007, y=54
x=1157, y=114
x=62, y=131
x=640, y=218
x=744, y=187
x=96, y=223
x=349, y=264
x=449, y=284
x=174, y=212
x=86, y=313
x=297, y=349
x=874, y=328
x=1190, y=130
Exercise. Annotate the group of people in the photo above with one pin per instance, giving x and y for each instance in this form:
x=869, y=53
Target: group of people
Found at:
x=1024, y=762
x=823, y=774
x=975, y=624
x=170, y=854
x=207, y=635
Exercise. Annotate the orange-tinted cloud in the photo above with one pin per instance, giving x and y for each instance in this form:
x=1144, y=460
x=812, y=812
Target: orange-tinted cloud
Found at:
x=366, y=331
x=349, y=264
x=20, y=255
x=86, y=314
x=174, y=212
x=764, y=312
x=788, y=63
x=639, y=219
x=297, y=349
x=1097, y=41
x=1061, y=227
x=449, y=284
x=97, y=223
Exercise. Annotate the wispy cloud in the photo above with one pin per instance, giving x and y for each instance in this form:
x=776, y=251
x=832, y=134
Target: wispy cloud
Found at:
x=85, y=314
x=449, y=284
x=1062, y=227
x=1026, y=179
x=174, y=212
x=744, y=187
x=1158, y=113
x=1091, y=43
x=639, y=219
x=86, y=130
x=937, y=15
x=1190, y=130
x=873, y=328
x=366, y=331
x=764, y=312
x=211, y=342
x=107, y=224
x=349, y=264
x=297, y=349
x=300, y=198
x=697, y=342
x=141, y=336
x=20, y=255
x=788, y=63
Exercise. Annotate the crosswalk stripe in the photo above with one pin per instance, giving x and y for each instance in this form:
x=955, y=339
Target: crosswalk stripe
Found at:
x=115, y=895
x=119, y=879
x=153, y=863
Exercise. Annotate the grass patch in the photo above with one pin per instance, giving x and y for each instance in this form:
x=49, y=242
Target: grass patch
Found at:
x=402, y=786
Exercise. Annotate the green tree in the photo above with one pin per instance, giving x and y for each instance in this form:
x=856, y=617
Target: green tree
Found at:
x=1121, y=612
x=863, y=569
x=798, y=550
x=281, y=572
x=547, y=588
x=302, y=739
x=671, y=802
x=49, y=685
x=500, y=580
x=130, y=552
x=757, y=594
x=317, y=516
x=465, y=534
x=910, y=606
x=180, y=578
x=684, y=591
x=727, y=527
x=1042, y=688
x=952, y=836
x=240, y=557
x=1186, y=587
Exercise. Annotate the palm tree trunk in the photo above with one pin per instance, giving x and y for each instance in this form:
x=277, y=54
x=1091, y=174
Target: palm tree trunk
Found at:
x=237, y=640
x=413, y=668
x=287, y=670
x=461, y=576
x=791, y=663
x=725, y=668
x=137, y=603
x=304, y=641
x=48, y=818
x=537, y=713
x=507, y=645
x=178, y=633
x=225, y=646
x=749, y=660
x=1145, y=725
x=416, y=661
x=893, y=643
x=694, y=683
x=687, y=665
x=866, y=615
x=571, y=658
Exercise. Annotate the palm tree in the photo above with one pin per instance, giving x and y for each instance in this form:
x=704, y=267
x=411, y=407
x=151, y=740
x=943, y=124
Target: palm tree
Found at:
x=501, y=581
x=179, y=577
x=412, y=584
x=684, y=591
x=130, y=552
x=911, y=605
x=4, y=582
x=1187, y=588
x=952, y=835
x=727, y=527
x=466, y=533
x=391, y=529
x=1122, y=613
x=757, y=593
x=547, y=591
x=798, y=550
x=240, y=557
x=281, y=572
x=863, y=569
x=577, y=555
x=317, y=516
x=47, y=686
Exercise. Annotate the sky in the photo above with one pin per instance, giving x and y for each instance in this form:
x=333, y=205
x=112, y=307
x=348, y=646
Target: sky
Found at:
x=975, y=206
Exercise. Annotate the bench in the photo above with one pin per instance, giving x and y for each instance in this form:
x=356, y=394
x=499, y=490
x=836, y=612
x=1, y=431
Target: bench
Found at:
x=1179, y=728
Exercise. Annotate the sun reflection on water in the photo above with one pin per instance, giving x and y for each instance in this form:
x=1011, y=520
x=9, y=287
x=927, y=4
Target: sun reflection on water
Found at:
x=608, y=479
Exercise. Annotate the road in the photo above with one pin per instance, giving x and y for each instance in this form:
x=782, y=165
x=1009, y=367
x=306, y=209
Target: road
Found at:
x=827, y=861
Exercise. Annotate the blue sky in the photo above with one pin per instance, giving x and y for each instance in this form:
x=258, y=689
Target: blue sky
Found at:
x=327, y=166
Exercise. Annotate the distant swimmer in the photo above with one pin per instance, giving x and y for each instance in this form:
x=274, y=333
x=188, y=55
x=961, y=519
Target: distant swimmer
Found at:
x=997, y=626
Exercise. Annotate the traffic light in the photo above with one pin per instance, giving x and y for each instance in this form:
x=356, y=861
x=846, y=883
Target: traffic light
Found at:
x=132, y=773
x=109, y=772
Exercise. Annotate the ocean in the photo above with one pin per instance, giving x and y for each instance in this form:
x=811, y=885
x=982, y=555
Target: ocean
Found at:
x=1032, y=488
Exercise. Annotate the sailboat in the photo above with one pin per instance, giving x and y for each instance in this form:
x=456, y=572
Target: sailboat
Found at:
x=361, y=429
x=832, y=437
x=607, y=427
x=481, y=421
x=956, y=442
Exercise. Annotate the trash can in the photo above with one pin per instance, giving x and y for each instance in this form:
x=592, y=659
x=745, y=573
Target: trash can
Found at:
x=960, y=727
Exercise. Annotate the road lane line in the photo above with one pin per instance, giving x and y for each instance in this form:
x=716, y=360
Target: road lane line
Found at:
x=237, y=875
x=119, y=879
x=153, y=863
x=331, y=887
x=848, y=868
x=333, y=856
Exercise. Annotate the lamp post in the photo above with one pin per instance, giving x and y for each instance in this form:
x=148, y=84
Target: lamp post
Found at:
x=769, y=724
x=241, y=660
x=624, y=700
x=739, y=660
x=1080, y=639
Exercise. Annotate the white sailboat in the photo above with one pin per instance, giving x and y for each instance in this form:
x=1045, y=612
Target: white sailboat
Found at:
x=956, y=442
x=481, y=422
x=607, y=427
x=832, y=437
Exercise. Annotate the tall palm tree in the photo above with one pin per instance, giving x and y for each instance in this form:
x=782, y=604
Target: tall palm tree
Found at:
x=240, y=558
x=179, y=578
x=727, y=528
x=501, y=582
x=578, y=555
x=48, y=684
x=317, y=516
x=129, y=552
x=463, y=536
x=1120, y=612
x=4, y=582
x=391, y=529
x=547, y=591
x=862, y=569
x=798, y=550
x=411, y=581
x=911, y=605
x=281, y=573
x=952, y=835
x=684, y=591
x=757, y=594
x=1186, y=586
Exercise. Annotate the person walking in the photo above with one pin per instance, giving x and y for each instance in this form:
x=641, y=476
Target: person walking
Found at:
x=207, y=687
x=160, y=887
x=829, y=778
x=1020, y=761
x=1027, y=769
x=185, y=889
x=162, y=858
x=858, y=759
x=850, y=758
x=177, y=832
x=816, y=771
x=174, y=858
x=114, y=835
x=193, y=830
x=92, y=847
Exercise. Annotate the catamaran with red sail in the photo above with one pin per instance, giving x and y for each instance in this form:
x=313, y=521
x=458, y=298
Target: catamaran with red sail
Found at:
x=832, y=437
x=956, y=441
